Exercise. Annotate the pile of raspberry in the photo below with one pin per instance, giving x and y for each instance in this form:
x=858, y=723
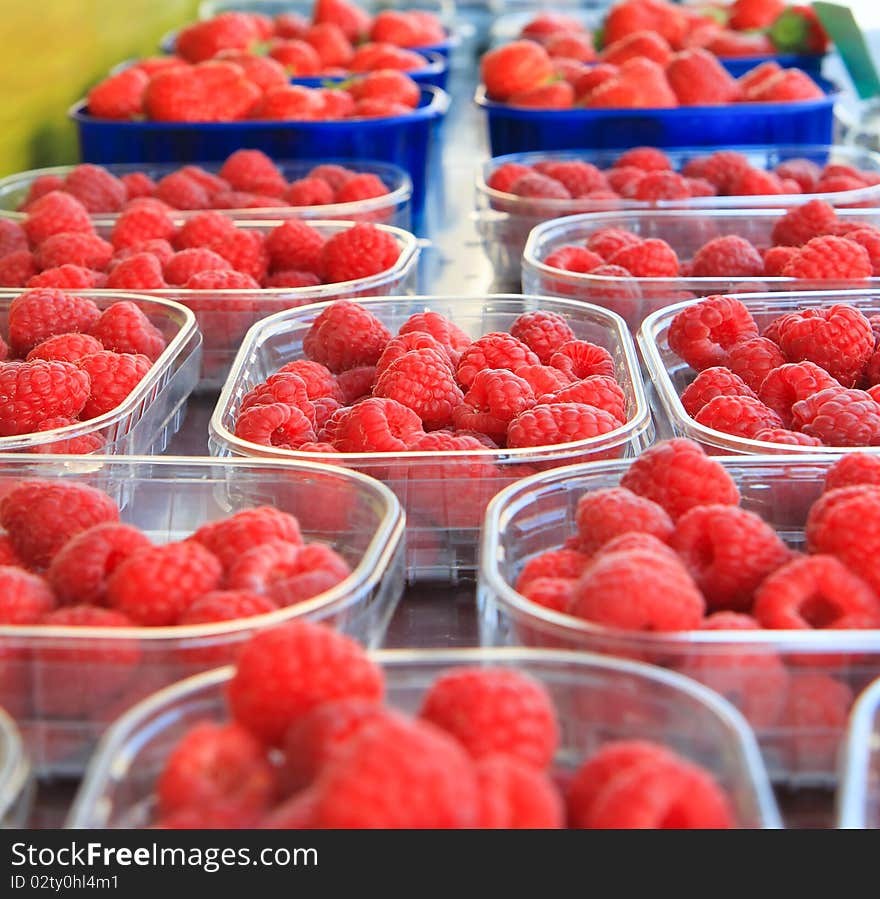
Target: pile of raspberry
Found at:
x=67, y=559
x=248, y=179
x=149, y=249
x=173, y=90
x=812, y=378
x=646, y=174
x=638, y=72
x=809, y=243
x=361, y=389
x=65, y=361
x=311, y=744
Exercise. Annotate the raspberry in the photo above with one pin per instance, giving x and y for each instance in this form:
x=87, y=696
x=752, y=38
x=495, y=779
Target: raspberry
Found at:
x=605, y=514
x=203, y=230
x=82, y=445
x=597, y=390
x=345, y=336
x=286, y=672
x=138, y=184
x=816, y=592
x=120, y=96
x=789, y=438
x=364, y=186
x=275, y=424
x=757, y=183
x=74, y=248
x=356, y=383
x=155, y=586
x=803, y=223
x=830, y=258
x=547, y=425
x=853, y=469
x=358, y=252
x=870, y=240
x=729, y=552
x=39, y=187
x=124, y=328
x=66, y=277
x=38, y=314
x=55, y=213
x=245, y=251
x=788, y=384
x=754, y=359
x=573, y=259
x=638, y=590
x=318, y=379
x=24, y=597
x=377, y=425
x=651, y=258
x=624, y=180
x=290, y=279
x=543, y=379
x=41, y=516
x=295, y=246
x=16, y=269
x=711, y=383
x=183, y=265
x=33, y=391
x=816, y=707
x=534, y=184
x=113, y=377
x=423, y=381
x=215, y=280
x=140, y=223
x=246, y=170
x=223, y=605
x=65, y=348
x=661, y=186
x=804, y=171
x=700, y=187
x=607, y=241
x=776, y=259
x=494, y=399
x=678, y=476
x=703, y=332
x=142, y=271
x=727, y=257
x=180, y=191
x=741, y=416
x=494, y=711
x=578, y=178
x=554, y=593
x=288, y=573
x=515, y=796
x=158, y=247
x=495, y=350
x=580, y=359
x=557, y=564
x=229, y=538
x=401, y=345
x=839, y=417
x=515, y=67
x=96, y=188
x=8, y=556
x=837, y=338
x=216, y=762
x=78, y=573
x=309, y=192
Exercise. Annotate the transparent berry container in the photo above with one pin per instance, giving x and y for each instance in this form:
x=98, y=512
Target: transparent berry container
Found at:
x=670, y=375
x=597, y=700
x=152, y=413
x=858, y=800
x=685, y=231
x=391, y=209
x=224, y=316
x=16, y=782
x=63, y=685
x=753, y=669
x=504, y=220
x=444, y=494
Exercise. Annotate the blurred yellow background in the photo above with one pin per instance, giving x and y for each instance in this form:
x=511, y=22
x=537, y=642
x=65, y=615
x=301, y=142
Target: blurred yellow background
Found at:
x=53, y=51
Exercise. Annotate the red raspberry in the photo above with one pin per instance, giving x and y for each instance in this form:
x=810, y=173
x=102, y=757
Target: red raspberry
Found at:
x=803, y=223
x=869, y=238
x=204, y=230
x=67, y=277
x=65, y=348
x=423, y=381
x=578, y=178
x=727, y=257
x=789, y=438
x=651, y=258
x=17, y=269
x=180, y=191
x=309, y=192
x=815, y=713
x=573, y=259
x=543, y=379
x=139, y=272
x=289, y=279
x=124, y=328
x=638, y=590
x=597, y=390
x=624, y=180
x=156, y=586
x=365, y=186
x=183, y=265
x=74, y=248
x=157, y=247
x=853, y=469
x=607, y=241
x=78, y=573
x=548, y=425
x=729, y=552
x=33, y=391
x=39, y=187
x=12, y=238
x=38, y=314
x=495, y=711
x=248, y=170
x=138, y=184
x=405, y=343
x=358, y=252
x=788, y=384
x=377, y=425
x=83, y=445
x=55, y=213
x=8, y=556
x=580, y=359
x=505, y=176
x=661, y=186
x=120, y=96
x=41, y=516
x=140, y=223
x=702, y=333
x=554, y=593
x=741, y=416
x=245, y=251
x=830, y=258
x=345, y=336
x=230, y=537
x=318, y=379
x=113, y=377
x=839, y=417
x=837, y=338
x=678, y=476
x=495, y=350
x=757, y=183
x=275, y=424
x=561, y=564
x=649, y=159
x=493, y=400
x=711, y=383
x=515, y=796
x=534, y=184
x=356, y=383
x=295, y=246
x=700, y=187
x=222, y=281
x=286, y=672
x=224, y=605
x=776, y=259
x=96, y=188
x=515, y=67
x=605, y=514
x=804, y=171
x=24, y=597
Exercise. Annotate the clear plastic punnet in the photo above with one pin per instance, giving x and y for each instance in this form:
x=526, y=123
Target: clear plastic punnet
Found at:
x=444, y=494
x=63, y=685
x=590, y=693
x=16, y=782
x=858, y=799
x=151, y=414
x=759, y=671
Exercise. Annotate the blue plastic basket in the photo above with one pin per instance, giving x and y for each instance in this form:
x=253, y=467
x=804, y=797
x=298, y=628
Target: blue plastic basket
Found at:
x=435, y=72
x=518, y=130
x=406, y=141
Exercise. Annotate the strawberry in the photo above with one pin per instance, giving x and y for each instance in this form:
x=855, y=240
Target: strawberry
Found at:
x=798, y=30
x=354, y=22
x=208, y=92
x=639, y=84
x=516, y=67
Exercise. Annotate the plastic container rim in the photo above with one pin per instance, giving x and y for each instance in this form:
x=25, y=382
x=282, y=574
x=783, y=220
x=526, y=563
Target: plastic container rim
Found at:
x=15, y=769
x=855, y=758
